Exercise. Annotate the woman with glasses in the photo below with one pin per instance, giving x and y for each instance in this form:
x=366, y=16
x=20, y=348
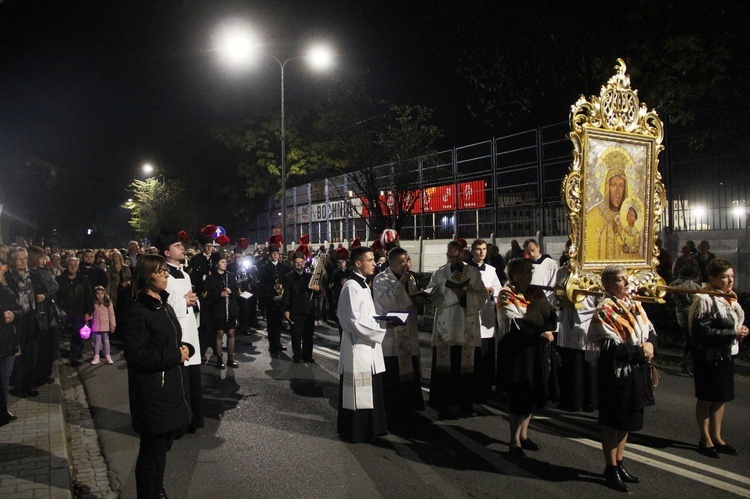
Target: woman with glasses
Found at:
x=154, y=354
x=624, y=339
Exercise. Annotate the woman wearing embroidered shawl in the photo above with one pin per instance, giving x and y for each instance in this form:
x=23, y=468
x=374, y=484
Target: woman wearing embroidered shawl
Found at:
x=624, y=339
x=526, y=321
x=716, y=328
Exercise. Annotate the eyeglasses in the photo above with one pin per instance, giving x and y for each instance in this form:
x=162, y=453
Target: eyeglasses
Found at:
x=161, y=272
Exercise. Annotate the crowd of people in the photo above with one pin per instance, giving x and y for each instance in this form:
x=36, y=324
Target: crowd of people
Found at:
x=506, y=329
x=498, y=328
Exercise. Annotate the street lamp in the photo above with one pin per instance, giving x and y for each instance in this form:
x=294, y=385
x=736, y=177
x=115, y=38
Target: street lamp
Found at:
x=148, y=168
x=238, y=46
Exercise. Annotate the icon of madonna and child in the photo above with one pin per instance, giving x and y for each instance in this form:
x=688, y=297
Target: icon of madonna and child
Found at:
x=615, y=222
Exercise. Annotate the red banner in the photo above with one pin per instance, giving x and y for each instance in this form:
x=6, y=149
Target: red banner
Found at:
x=435, y=199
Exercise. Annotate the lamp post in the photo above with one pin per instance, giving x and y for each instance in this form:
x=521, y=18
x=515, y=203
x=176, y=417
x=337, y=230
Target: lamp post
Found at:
x=236, y=43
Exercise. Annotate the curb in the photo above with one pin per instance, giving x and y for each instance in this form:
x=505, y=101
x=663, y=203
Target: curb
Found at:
x=60, y=482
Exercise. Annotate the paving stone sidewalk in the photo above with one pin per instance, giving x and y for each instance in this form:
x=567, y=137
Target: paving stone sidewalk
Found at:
x=33, y=449
x=52, y=450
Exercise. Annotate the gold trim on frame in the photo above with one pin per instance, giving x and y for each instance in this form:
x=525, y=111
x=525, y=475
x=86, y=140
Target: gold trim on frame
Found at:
x=613, y=191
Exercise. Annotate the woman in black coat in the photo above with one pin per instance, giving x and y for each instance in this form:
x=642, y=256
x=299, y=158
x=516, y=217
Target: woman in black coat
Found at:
x=11, y=313
x=527, y=321
x=716, y=329
x=624, y=340
x=222, y=290
x=158, y=403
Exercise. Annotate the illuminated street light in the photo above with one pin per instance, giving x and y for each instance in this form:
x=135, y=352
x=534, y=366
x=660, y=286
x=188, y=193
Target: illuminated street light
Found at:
x=739, y=212
x=238, y=46
x=148, y=168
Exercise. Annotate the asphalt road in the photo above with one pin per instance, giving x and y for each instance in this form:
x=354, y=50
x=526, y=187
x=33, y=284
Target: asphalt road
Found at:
x=271, y=424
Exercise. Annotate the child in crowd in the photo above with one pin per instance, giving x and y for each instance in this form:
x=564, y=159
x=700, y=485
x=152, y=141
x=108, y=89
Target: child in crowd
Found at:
x=102, y=323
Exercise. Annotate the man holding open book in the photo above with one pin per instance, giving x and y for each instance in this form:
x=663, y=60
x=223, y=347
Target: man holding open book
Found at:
x=457, y=293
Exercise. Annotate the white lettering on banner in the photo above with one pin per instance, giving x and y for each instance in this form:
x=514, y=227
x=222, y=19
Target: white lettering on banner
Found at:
x=338, y=210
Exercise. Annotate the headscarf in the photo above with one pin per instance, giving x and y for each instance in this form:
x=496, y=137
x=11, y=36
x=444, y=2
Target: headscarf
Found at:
x=621, y=321
x=513, y=305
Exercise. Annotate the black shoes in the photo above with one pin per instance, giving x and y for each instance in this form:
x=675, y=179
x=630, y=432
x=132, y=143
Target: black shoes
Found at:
x=231, y=362
x=24, y=393
x=726, y=449
x=625, y=476
x=517, y=453
x=708, y=451
x=9, y=416
x=220, y=362
x=43, y=381
x=528, y=444
x=309, y=361
x=614, y=481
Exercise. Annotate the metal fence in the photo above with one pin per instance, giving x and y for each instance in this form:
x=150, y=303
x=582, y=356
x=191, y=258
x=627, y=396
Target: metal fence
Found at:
x=521, y=175
x=709, y=186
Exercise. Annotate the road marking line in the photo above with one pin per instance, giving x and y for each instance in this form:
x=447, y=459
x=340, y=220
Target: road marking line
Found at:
x=693, y=464
x=674, y=469
x=510, y=469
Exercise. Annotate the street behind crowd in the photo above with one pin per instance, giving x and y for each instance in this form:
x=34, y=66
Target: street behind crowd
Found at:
x=271, y=432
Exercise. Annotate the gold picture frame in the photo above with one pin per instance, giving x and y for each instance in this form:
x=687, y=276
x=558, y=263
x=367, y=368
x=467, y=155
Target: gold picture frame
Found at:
x=613, y=190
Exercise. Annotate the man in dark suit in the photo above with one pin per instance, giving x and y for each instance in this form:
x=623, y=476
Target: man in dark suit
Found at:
x=200, y=268
x=271, y=290
x=76, y=301
x=97, y=275
x=299, y=309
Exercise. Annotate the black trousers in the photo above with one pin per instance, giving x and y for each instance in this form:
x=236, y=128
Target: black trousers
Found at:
x=152, y=460
x=274, y=315
x=302, y=336
x=194, y=390
x=48, y=347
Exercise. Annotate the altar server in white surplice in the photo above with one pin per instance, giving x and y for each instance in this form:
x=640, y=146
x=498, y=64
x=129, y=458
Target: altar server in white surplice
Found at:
x=361, y=415
x=487, y=318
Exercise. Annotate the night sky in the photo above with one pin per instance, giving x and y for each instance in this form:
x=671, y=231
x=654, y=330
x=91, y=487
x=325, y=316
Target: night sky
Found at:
x=97, y=88
x=94, y=89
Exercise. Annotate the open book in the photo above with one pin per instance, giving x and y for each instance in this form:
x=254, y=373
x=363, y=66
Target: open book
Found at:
x=397, y=317
x=425, y=293
x=451, y=284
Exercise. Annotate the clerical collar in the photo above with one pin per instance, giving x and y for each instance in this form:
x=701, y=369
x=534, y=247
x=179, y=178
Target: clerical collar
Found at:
x=174, y=271
x=359, y=278
x=300, y=272
x=478, y=266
